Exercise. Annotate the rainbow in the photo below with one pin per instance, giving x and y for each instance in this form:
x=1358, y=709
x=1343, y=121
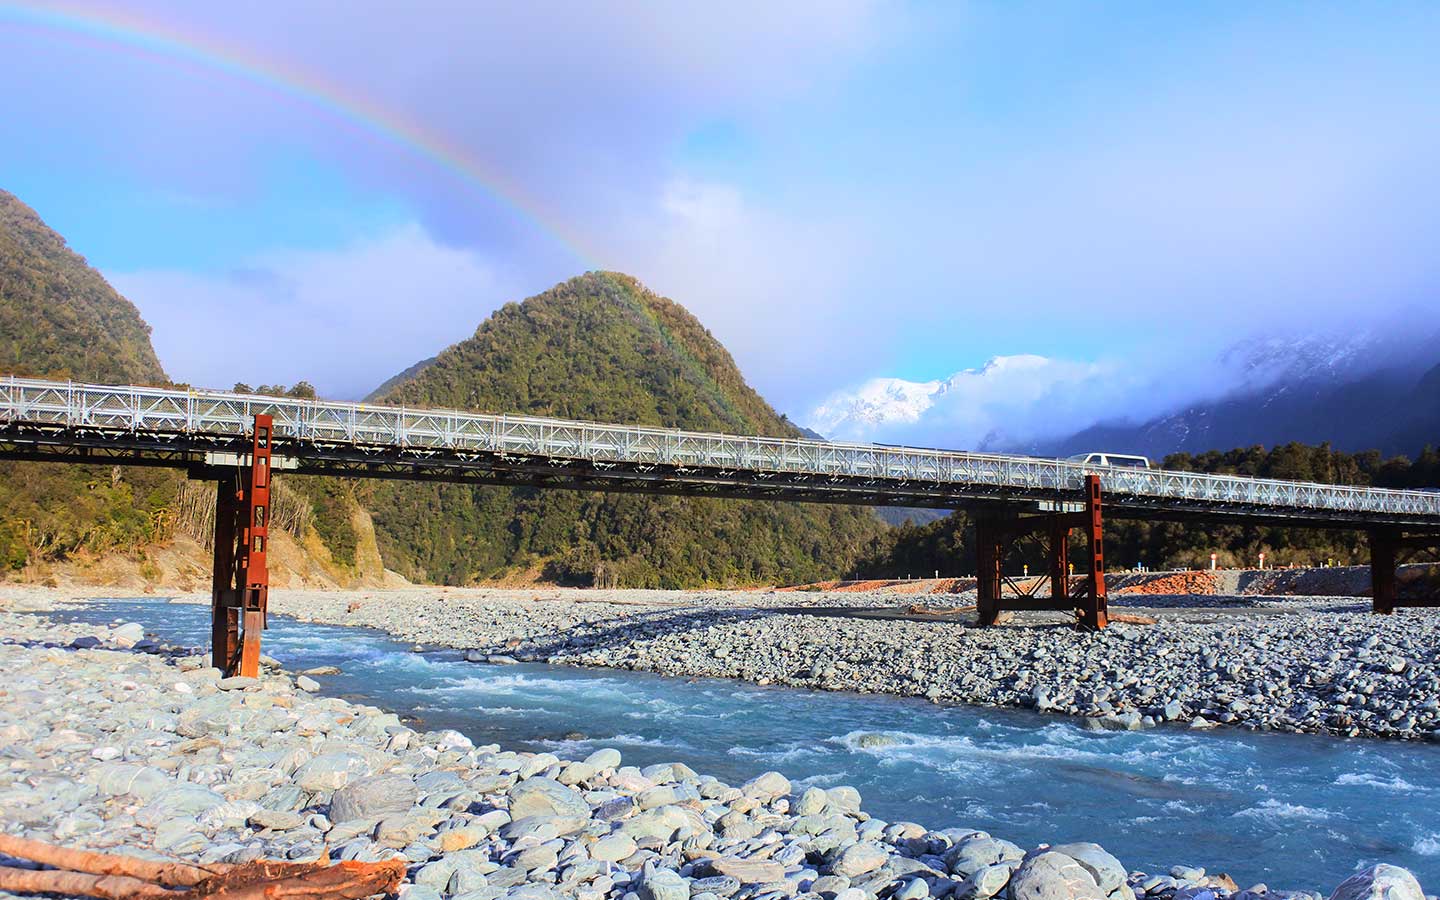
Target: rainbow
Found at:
x=116, y=29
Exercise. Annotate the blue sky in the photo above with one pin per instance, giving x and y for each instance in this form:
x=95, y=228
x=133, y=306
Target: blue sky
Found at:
x=841, y=191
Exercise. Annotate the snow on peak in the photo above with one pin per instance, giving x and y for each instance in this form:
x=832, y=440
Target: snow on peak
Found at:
x=973, y=403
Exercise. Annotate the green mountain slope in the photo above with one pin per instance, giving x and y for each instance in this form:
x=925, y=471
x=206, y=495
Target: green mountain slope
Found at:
x=601, y=347
x=59, y=318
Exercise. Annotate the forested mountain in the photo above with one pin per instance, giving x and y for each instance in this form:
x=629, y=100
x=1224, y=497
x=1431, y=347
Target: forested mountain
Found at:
x=59, y=318
x=949, y=544
x=601, y=347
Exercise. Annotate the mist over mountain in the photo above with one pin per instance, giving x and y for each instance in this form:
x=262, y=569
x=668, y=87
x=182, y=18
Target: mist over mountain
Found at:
x=1375, y=388
x=1362, y=392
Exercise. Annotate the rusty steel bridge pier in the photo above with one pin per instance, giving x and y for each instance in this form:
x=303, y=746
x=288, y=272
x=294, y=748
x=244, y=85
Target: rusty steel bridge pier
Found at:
x=240, y=441
x=1085, y=597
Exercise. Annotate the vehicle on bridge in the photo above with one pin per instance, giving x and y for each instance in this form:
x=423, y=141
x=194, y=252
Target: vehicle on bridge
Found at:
x=1123, y=460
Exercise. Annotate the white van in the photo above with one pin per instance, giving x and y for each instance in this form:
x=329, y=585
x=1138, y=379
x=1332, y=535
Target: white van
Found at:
x=1122, y=460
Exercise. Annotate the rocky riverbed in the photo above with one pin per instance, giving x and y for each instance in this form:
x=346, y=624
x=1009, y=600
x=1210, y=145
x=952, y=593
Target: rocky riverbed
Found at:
x=1297, y=664
x=111, y=740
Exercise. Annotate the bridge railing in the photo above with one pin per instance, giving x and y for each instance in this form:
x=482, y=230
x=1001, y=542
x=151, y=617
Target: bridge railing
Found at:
x=137, y=409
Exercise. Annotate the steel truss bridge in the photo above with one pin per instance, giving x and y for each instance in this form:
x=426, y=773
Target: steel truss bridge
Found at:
x=214, y=435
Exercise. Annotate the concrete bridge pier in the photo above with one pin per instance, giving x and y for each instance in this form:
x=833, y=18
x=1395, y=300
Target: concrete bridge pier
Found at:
x=1084, y=596
x=240, y=582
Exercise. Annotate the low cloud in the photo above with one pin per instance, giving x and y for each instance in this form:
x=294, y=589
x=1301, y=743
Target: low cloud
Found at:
x=343, y=319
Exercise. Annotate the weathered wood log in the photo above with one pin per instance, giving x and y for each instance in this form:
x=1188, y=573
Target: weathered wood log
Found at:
x=166, y=874
x=80, y=884
x=111, y=876
x=267, y=880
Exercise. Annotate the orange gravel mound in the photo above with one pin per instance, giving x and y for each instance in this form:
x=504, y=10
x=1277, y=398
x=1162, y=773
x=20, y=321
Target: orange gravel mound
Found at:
x=1174, y=583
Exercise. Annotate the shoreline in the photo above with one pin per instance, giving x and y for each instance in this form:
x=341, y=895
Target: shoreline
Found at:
x=1319, y=665
x=261, y=767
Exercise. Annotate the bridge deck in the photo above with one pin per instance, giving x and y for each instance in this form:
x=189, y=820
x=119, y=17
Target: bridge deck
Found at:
x=186, y=428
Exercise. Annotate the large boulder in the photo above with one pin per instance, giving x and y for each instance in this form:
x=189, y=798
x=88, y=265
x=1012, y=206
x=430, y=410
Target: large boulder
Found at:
x=858, y=859
x=538, y=796
x=1053, y=876
x=974, y=853
x=1104, y=868
x=1380, y=882
x=767, y=786
x=985, y=883
x=373, y=798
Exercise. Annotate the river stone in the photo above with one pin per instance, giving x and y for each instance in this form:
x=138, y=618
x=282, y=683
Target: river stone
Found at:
x=812, y=802
x=462, y=838
x=766, y=786
x=664, y=795
x=843, y=799
x=115, y=779
x=914, y=889
x=972, y=854
x=749, y=871
x=604, y=758
x=276, y=819
x=1104, y=868
x=182, y=800
x=331, y=771
x=656, y=823
x=539, y=796
x=128, y=635
x=532, y=892
x=1053, y=876
x=532, y=858
x=307, y=684
x=858, y=859
x=986, y=882
x=1380, y=882
x=576, y=772
x=613, y=847
x=373, y=798
x=663, y=884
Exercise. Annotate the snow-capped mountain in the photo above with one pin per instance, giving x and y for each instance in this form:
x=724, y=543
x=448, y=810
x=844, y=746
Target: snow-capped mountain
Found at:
x=969, y=408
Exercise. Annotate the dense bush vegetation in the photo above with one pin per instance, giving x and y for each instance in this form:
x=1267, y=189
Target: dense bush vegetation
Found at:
x=948, y=545
x=60, y=319
x=602, y=348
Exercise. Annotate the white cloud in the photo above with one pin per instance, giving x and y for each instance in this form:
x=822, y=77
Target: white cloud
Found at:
x=1006, y=401
x=343, y=319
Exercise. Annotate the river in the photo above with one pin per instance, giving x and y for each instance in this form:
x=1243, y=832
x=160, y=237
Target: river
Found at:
x=1294, y=811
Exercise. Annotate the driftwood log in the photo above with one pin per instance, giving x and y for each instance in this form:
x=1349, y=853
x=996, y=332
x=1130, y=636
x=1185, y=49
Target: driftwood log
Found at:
x=112, y=876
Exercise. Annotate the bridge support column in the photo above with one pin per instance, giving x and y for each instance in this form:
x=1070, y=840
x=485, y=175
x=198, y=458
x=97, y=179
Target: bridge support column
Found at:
x=1059, y=558
x=1094, y=611
x=991, y=542
x=224, y=617
x=240, y=584
x=1384, y=548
